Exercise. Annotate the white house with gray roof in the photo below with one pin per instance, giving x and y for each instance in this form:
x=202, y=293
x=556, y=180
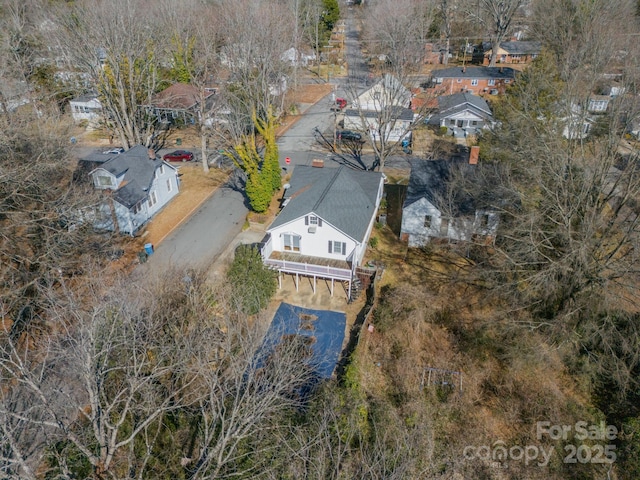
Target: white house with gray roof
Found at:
x=462, y=114
x=138, y=183
x=325, y=223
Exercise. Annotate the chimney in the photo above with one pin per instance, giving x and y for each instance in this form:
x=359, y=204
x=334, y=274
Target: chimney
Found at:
x=474, y=154
x=152, y=154
x=464, y=69
x=317, y=162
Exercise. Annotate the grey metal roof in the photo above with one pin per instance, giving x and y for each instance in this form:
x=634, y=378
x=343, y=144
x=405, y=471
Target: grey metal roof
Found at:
x=475, y=72
x=342, y=197
x=138, y=170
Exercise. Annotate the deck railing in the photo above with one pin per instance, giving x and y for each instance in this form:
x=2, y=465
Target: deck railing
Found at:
x=310, y=269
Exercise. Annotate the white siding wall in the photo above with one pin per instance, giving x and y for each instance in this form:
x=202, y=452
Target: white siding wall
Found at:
x=459, y=228
x=162, y=192
x=313, y=244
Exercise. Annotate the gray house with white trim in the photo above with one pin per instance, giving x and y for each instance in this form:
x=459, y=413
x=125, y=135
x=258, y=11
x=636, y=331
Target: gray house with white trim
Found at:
x=325, y=223
x=137, y=185
x=462, y=114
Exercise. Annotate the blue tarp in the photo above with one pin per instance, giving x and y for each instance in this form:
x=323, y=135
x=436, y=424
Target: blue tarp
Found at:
x=325, y=326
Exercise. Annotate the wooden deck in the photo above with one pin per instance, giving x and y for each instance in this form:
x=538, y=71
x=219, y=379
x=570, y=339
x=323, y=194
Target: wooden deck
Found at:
x=309, y=260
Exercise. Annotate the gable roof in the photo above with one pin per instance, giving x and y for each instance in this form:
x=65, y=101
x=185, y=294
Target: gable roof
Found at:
x=342, y=197
x=475, y=72
x=458, y=102
x=430, y=179
x=138, y=170
x=397, y=113
x=392, y=91
x=517, y=47
x=179, y=96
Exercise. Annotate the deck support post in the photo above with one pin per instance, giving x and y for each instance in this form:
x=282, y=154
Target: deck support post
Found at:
x=297, y=281
x=279, y=279
x=332, y=286
x=349, y=291
x=314, y=284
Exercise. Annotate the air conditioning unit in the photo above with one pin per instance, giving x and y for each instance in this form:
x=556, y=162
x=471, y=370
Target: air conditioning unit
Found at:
x=312, y=229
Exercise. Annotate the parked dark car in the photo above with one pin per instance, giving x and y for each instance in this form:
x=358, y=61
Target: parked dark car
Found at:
x=178, y=156
x=349, y=135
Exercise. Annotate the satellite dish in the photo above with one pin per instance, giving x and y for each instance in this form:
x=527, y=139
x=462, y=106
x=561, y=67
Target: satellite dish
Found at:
x=286, y=186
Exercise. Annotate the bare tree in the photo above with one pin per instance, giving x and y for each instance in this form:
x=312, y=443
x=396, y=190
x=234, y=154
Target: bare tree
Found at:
x=117, y=45
x=498, y=16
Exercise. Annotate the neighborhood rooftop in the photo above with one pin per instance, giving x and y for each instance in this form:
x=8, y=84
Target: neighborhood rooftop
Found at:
x=517, y=47
x=138, y=169
x=458, y=101
x=342, y=197
x=475, y=72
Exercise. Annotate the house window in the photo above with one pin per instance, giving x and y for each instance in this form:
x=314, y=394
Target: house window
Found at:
x=444, y=227
x=376, y=95
x=474, y=122
x=492, y=82
x=153, y=199
x=105, y=181
x=313, y=220
x=169, y=186
x=137, y=208
x=438, y=80
x=507, y=80
x=459, y=80
x=339, y=248
x=427, y=221
x=291, y=242
x=484, y=220
x=159, y=172
x=452, y=122
x=474, y=82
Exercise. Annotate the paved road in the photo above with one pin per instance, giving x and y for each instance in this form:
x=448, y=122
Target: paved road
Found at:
x=206, y=234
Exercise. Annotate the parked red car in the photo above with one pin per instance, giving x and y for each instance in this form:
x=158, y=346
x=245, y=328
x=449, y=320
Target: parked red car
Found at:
x=178, y=156
x=339, y=105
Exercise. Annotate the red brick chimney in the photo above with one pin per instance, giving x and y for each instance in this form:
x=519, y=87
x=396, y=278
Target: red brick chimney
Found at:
x=473, y=155
x=152, y=154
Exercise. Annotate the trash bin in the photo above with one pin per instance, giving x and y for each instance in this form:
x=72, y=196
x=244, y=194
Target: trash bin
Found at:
x=148, y=248
x=178, y=141
x=142, y=256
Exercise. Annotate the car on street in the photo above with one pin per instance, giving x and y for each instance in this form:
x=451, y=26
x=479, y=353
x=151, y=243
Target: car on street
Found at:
x=178, y=156
x=349, y=136
x=338, y=105
x=114, y=151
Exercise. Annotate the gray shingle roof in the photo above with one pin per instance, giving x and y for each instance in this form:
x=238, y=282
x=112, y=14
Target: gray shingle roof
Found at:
x=341, y=197
x=398, y=113
x=430, y=178
x=449, y=102
x=518, y=47
x=475, y=72
x=138, y=170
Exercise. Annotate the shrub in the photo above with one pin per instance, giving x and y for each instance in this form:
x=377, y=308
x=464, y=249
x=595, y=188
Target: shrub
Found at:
x=253, y=283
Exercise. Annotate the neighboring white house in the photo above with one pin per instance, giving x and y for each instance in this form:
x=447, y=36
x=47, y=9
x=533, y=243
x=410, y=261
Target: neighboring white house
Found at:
x=386, y=103
x=86, y=107
x=432, y=211
x=325, y=223
x=462, y=114
x=139, y=184
x=387, y=92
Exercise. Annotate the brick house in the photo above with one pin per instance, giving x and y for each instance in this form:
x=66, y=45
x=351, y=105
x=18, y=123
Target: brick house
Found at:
x=476, y=80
